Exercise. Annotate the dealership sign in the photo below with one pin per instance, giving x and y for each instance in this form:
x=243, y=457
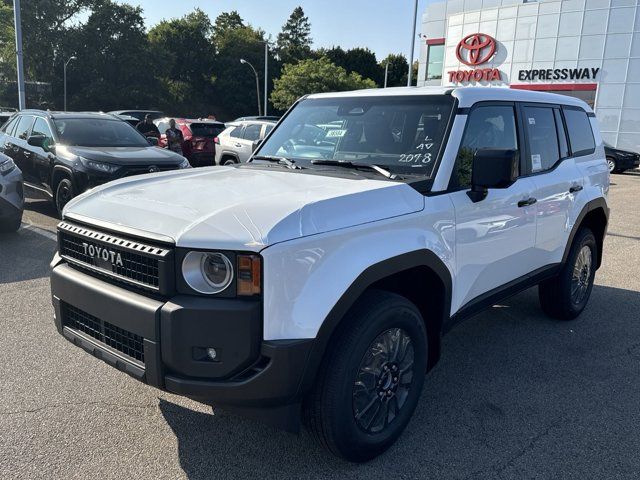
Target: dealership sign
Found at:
x=559, y=74
x=473, y=50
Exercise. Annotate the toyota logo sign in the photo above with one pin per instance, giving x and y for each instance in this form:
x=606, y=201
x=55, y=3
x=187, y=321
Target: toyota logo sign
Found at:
x=476, y=49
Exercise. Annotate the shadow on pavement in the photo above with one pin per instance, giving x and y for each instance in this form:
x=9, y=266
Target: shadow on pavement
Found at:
x=26, y=254
x=515, y=395
x=45, y=207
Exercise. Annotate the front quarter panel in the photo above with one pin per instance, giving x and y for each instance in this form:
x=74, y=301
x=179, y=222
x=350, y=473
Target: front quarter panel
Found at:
x=305, y=278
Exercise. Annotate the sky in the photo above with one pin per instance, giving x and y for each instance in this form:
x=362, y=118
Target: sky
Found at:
x=382, y=26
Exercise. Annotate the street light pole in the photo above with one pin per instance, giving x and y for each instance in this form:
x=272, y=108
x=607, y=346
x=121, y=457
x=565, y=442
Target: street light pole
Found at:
x=65, y=80
x=386, y=74
x=413, y=42
x=244, y=62
x=266, y=74
x=18, y=25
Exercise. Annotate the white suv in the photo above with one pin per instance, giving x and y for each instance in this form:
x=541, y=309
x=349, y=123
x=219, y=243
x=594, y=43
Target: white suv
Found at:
x=317, y=280
x=238, y=141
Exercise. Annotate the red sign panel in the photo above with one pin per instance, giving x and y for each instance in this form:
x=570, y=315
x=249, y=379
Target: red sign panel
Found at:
x=476, y=49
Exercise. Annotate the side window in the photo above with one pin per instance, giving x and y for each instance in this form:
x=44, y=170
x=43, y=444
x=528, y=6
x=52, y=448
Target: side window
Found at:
x=491, y=126
x=23, y=127
x=542, y=136
x=8, y=128
x=42, y=128
x=252, y=132
x=580, y=133
x=236, y=132
x=268, y=129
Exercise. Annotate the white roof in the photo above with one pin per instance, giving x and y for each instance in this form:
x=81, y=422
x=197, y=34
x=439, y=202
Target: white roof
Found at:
x=467, y=96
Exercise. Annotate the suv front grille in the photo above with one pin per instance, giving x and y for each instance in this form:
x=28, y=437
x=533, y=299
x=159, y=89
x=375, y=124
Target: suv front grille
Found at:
x=124, y=260
x=118, y=339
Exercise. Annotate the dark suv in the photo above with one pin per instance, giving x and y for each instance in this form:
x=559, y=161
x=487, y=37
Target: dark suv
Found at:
x=64, y=154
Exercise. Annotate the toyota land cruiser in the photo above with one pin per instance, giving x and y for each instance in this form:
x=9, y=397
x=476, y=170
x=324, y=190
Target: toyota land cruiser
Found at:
x=316, y=281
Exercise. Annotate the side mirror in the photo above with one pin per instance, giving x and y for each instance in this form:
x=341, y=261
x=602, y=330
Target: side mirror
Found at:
x=492, y=169
x=153, y=141
x=39, y=141
x=255, y=145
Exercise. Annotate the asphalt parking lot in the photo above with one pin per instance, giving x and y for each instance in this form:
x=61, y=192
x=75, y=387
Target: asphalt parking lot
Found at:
x=516, y=395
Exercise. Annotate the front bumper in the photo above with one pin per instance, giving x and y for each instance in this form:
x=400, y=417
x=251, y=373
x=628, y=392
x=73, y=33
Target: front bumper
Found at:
x=249, y=373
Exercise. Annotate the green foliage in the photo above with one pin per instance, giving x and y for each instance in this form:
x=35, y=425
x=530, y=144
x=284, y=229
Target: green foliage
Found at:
x=294, y=42
x=185, y=56
x=314, y=76
x=398, y=70
x=359, y=60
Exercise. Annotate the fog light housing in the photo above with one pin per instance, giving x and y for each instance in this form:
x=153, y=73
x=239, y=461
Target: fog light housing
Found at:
x=211, y=353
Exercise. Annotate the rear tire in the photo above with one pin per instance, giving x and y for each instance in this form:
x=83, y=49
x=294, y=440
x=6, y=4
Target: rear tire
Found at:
x=565, y=296
x=371, y=378
x=612, y=165
x=228, y=161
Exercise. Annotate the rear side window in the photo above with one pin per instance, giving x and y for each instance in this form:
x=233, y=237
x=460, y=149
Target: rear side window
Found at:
x=236, y=132
x=580, y=133
x=8, y=128
x=23, y=127
x=491, y=126
x=206, y=129
x=544, y=150
x=252, y=132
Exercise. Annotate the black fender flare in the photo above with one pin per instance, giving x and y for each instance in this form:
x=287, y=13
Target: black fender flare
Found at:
x=61, y=168
x=373, y=274
x=595, y=204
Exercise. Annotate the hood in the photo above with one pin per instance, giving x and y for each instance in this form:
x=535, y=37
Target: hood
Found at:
x=231, y=208
x=124, y=155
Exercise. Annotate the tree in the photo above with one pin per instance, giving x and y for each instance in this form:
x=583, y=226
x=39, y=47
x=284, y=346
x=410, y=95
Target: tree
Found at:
x=186, y=59
x=398, y=70
x=294, y=42
x=224, y=23
x=235, y=86
x=115, y=67
x=313, y=76
x=359, y=60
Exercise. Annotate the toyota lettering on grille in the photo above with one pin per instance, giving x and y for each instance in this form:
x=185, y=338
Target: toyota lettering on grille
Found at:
x=103, y=253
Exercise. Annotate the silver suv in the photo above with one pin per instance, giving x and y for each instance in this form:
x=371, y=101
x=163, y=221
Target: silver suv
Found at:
x=11, y=195
x=238, y=141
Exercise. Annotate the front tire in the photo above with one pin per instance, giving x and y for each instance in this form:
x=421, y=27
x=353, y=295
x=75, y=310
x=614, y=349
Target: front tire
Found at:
x=565, y=296
x=10, y=225
x=612, y=165
x=371, y=378
x=63, y=194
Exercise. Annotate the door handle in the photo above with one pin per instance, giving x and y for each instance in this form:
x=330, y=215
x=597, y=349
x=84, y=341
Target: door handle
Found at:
x=528, y=202
x=575, y=188
x=238, y=145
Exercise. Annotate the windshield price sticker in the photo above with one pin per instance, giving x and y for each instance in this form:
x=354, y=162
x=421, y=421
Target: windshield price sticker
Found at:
x=335, y=133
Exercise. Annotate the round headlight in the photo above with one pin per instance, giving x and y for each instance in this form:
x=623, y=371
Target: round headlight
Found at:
x=207, y=273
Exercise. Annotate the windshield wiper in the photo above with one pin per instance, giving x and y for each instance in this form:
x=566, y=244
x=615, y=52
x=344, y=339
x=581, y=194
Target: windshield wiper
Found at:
x=355, y=165
x=279, y=160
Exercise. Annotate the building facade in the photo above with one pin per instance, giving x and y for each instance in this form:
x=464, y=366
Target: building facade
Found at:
x=584, y=48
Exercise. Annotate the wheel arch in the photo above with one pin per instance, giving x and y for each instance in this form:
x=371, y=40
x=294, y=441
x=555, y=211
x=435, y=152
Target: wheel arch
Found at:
x=59, y=172
x=410, y=275
x=595, y=216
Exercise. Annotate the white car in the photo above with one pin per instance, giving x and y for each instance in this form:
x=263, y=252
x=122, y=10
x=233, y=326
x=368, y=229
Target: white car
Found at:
x=317, y=280
x=238, y=141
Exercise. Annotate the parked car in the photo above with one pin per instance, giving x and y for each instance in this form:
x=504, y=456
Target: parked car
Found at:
x=139, y=114
x=237, y=142
x=199, y=138
x=64, y=154
x=268, y=118
x=133, y=121
x=620, y=160
x=11, y=195
x=321, y=279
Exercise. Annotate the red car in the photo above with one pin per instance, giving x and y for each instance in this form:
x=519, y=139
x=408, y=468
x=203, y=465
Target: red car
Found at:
x=199, y=134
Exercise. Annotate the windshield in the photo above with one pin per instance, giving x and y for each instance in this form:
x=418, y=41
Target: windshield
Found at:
x=98, y=132
x=402, y=134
